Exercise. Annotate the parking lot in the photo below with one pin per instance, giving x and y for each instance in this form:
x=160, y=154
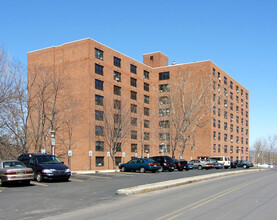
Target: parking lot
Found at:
x=48, y=198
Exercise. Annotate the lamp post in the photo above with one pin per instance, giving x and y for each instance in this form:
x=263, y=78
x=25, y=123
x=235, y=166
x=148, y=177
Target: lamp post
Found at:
x=52, y=142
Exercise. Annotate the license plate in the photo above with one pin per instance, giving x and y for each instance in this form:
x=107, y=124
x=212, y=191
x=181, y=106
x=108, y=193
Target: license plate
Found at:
x=20, y=173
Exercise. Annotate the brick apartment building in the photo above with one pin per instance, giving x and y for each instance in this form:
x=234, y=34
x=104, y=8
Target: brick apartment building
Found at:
x=100, y=79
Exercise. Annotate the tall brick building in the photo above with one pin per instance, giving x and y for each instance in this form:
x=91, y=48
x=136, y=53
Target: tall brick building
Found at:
x=97, y=74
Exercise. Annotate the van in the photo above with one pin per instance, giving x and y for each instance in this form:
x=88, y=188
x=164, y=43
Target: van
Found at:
x=223, y=160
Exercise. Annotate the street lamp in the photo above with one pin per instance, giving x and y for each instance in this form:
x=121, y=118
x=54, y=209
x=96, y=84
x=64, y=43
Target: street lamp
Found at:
x=53, y=142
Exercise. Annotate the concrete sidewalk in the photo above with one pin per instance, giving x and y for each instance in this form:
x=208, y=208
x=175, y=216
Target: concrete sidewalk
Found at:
x=178, y=182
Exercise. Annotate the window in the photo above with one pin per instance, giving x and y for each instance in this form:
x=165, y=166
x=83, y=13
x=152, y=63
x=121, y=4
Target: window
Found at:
x=231, y=106
x=117, y=160
x=213, y=71
x=116, y=104
x=133, y=69
x=231, y=138
x=146, y=74
x=246, y=104
x=231, y=117
x=241, y=102
x=99, y=145
x=218, y=136
x=146, y=99
x=241, y=111
x=218, y=100
x=99, y=84
x=214, y=147
x=231, y=95
x=237, y=139
x=214, y=135
x=117, y=147
x=225, y=80
x=99, y=130
x=246, y=131
x=163, y=148
x=241, y=121
x=214, y=97
x=133, y=121
x=218, y=148
x=117, y=76
x=218, y=123
x=98, y=54
x=241, y=92
x=218, y=75
x=246, y=96
x=246, y=114
x=218, y=111
x=231, y=127
x=133, y=82
x=99, y=161
x=133, y=95
x=225, y=125
x=146, y=87
x=164, y=76
x=237, y=109
x=164, y=136
x=214, y=83
x=231, y=149
x=237, y=119
x=214, y=123
x=246, y=123
x=134, y=108
x=225, y=92
x=237, y=89
x=164, y=112
x=117, y=61
x=164, y=100
x=117, y=132
x=164, y=124
x=99, y=69
x=146, y=111
x=225, y=102
x=241, y=149
x=134, y=147
x=225, y=148
x=133, y=134
x=218, y=87
x=225, y=137
x=146, y=148
x=214, y=111
x=146, y=136
x=117, y=118
x=99, y=100
x=225, y=114
x=231, y=84
x=146, y=123
x=237, y=129
x=99, y=115
x=164, y=88
x=117, y=90
x=241, y=130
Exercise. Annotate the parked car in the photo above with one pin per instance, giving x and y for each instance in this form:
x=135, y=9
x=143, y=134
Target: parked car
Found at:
x=243, y=163
x=217, y=165
x=141, y=164
x=190, y=165
x=15, y=171
x=233, y=164
x=166, y=163
x=46, y=166
x=222, y=159
x=200, y=164
x=181, y=164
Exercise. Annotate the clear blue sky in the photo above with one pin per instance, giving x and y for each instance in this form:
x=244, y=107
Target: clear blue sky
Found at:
x=240, y=36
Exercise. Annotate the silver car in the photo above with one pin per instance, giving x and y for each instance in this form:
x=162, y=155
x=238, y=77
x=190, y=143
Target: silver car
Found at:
x=15, y=171
x=200, y=164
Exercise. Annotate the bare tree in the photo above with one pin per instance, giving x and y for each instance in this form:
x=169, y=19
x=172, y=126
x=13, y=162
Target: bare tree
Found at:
x=259, y=148
x=190, y=102
x=47, y=102
x=271, y=144
x=116, y=126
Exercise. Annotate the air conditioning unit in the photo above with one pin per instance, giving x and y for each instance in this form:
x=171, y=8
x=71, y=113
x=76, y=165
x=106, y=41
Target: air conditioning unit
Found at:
x=117, y=79
x=219, y=78
x=225, y=105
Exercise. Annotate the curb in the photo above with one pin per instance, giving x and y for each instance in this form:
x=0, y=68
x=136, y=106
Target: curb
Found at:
x=94, y=171
x=178, y=182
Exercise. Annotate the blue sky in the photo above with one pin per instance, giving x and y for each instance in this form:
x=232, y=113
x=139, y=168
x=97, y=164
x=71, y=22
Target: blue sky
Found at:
x=240, y=36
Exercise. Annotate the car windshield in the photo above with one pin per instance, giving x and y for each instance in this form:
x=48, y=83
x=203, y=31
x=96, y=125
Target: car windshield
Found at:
x=48, y=159
x=13, y=164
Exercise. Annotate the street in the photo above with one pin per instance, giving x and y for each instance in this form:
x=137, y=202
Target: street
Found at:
x=247, y=196
x=48, y=199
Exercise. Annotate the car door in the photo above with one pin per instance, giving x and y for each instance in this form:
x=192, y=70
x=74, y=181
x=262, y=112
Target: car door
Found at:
x=132, y=164
x=140, y=163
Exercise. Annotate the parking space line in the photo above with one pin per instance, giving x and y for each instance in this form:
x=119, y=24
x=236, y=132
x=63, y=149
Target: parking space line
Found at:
x=100, y=177
x=40, y=184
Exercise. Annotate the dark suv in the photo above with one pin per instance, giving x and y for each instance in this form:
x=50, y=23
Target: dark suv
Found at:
x=166, y=162
x=45, y=166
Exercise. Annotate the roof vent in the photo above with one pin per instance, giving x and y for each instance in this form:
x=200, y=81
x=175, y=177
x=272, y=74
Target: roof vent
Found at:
x=173, y=63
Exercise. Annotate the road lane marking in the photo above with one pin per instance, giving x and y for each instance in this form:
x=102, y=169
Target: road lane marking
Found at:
x=204, y=201
x=40, y=184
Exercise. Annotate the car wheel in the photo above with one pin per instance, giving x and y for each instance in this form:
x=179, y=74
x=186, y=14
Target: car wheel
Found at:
x=66, y=179
x=162, y=169
x=123, y=169
x=142, y=169
x=1, y=182
x=39, y=177
x=244, y=166
x=171, y=170
x=200, y=167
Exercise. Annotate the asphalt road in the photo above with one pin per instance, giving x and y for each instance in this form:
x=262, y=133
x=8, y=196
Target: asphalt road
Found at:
x=52, y=198
x=247, y=196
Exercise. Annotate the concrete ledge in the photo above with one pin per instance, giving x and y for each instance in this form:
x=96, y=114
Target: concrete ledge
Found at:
x=94, y=171
x=178, y=182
